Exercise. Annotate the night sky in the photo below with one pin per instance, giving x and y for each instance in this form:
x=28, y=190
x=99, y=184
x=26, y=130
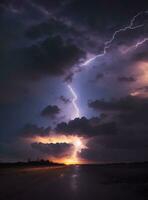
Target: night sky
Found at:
x=74, y=80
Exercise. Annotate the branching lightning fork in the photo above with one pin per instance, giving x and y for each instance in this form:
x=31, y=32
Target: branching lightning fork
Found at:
x=108, y=43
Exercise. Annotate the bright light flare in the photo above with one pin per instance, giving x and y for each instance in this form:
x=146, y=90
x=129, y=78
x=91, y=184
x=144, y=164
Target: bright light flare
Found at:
x=78, y=143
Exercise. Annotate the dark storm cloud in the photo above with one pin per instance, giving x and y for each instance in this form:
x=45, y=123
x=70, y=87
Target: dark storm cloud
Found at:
x=52, y=57
x=128, y=142
x=137, y=116
x=131, y=110
x=86, y=127
x=126, y=79
x=57, y=150
x=35, y=57
x=131, y=139
x=64, y=99
x=50, y=111
x=128, y=103
x=32, y=130
x=101, y=153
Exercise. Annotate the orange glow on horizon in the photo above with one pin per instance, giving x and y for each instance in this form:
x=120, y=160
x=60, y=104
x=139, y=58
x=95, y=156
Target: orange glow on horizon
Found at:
x=78, y=143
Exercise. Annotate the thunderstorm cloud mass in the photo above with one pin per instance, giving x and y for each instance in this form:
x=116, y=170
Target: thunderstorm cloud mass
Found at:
x=74, y=81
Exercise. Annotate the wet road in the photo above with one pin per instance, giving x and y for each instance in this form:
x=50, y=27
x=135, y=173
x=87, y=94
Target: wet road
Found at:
x=74, y=183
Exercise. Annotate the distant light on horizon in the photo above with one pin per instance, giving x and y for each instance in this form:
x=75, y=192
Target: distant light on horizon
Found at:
x=78, y=143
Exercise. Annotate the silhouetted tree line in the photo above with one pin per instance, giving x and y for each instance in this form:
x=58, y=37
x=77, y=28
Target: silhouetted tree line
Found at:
x=31, y=163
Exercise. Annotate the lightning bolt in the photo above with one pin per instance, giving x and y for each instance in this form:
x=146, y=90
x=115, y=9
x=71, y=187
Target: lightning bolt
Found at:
x=139, y=43
x=77, y=111
x=78, y=143
x=108, y=43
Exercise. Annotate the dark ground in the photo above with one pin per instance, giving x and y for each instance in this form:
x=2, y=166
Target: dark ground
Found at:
x=92, y=182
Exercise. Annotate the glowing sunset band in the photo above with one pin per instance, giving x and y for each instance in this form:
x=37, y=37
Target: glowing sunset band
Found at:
x=78, y=143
